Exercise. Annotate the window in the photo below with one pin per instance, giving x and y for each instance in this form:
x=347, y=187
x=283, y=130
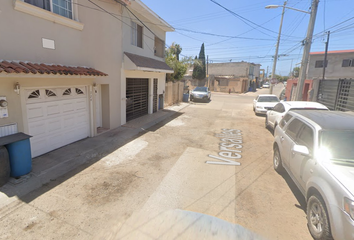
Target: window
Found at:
x=293, y=128
x=49, y=93
x=62, y=7
x=306, y=137
x=279, y=108
x=34, y=94
x=347, y=63
x=285, y=119
x=78, y=91
x=137, y=34
x=67, y=92
x=159, y=47
x=319, y=64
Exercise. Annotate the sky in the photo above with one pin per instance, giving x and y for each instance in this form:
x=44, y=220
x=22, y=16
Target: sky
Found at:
x=240, y=30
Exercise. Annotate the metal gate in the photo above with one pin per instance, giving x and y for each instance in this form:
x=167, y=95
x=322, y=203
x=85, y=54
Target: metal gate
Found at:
x=155, y=95
x=137, y=97
x=337, y=94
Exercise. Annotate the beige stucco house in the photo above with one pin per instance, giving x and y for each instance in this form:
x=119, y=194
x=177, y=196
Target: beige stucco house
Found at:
x=235, y=77
x=70, y=69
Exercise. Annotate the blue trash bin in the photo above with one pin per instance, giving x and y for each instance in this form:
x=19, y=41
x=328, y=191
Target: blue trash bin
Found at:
x=185, y=97
x=19, y=149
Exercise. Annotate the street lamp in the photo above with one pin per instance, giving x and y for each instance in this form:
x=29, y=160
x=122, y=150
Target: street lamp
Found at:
x=278, y=41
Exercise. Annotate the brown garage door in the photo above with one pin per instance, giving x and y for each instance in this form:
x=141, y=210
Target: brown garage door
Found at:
x=137, y=97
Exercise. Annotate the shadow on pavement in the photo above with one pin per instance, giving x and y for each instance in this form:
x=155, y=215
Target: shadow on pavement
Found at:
x=76, y=157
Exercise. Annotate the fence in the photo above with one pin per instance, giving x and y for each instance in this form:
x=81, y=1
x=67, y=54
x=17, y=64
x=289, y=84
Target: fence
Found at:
x=173, y=93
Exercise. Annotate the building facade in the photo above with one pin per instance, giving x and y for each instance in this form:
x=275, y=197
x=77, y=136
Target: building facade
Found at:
x=65, y=67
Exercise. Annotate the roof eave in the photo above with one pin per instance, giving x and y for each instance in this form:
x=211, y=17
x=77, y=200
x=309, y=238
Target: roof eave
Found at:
x=145, y=11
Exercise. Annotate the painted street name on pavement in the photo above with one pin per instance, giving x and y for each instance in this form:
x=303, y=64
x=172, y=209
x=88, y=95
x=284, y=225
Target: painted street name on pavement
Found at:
x=231, y=142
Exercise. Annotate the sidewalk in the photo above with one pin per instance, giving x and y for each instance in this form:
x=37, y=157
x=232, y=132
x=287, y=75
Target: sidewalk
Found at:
x=54, y=164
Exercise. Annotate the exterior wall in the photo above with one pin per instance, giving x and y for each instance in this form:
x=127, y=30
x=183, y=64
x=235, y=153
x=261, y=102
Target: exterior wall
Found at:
x=334, y=69
x=148, y=37
x=238, y=69
x=306, y=94
x=88, y=47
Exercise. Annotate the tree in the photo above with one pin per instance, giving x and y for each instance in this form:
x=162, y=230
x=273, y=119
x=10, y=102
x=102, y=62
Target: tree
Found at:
x=176, y=49
x=199, y=67
x=179, y=67
x=296, y=72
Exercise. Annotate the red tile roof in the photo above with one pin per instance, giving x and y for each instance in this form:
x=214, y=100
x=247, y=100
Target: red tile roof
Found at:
x=34, y=68
x=339, y=51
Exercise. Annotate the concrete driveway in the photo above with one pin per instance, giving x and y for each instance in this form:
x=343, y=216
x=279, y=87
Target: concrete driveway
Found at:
x=157, y=184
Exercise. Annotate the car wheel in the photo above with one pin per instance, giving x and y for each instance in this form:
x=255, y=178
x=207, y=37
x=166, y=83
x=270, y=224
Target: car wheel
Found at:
x=266, y=122
x=277, y=163
x=317, y=219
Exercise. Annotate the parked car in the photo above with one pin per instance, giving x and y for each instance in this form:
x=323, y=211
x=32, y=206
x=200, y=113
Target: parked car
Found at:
x=266, y=85
x=264, y=102
x=316, y=150
x=200, y=93
x=282, y=95
x=274, y=116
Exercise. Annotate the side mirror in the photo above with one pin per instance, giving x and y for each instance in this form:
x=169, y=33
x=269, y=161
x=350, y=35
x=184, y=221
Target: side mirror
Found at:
x=303, y=150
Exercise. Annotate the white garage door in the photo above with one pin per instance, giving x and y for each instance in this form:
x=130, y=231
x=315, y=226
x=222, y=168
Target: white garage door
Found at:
x=56, y=117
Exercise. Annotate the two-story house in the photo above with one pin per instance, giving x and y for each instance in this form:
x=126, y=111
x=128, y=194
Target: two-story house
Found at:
x=336, y=89
x=72, y=68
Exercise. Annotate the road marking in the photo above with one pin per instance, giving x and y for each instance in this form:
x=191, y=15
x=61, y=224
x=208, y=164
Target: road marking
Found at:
x=231, y=142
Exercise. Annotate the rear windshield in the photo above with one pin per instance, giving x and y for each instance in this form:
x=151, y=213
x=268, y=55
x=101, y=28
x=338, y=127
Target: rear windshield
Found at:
x=268, y=99
x=340, y=144
x=200, y=89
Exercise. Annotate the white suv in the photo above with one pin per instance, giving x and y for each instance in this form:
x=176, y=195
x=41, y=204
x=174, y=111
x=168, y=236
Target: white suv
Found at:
x=316, y=148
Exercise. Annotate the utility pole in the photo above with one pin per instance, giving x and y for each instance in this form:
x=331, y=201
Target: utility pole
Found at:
x=276, y=50
x=325, y=56
x=307, y=48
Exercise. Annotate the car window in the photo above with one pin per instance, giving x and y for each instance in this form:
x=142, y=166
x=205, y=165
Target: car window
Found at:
x=201, y=89
x=279, y=108
x=268, y=99
x=285, y=119
x=306, y=137
x=293, y=128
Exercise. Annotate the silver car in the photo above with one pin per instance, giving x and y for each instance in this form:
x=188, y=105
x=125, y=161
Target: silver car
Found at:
x=316, y=148
x=200, y=93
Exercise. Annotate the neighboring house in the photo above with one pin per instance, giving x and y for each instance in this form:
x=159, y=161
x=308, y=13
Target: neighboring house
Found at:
x=233, y=76
x=336, y=90
x=68, y=67
x=339, y=64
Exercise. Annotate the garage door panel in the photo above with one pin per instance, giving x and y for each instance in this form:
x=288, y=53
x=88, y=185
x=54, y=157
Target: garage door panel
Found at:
x=81, y=118
x=81, y=104
x=69, y=121
x=35, y=111
x=68, y=107
x=53, y=109
x=54, y=125
x=37, y=128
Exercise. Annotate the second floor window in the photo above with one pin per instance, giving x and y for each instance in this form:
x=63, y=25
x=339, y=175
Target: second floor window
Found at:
x=61, y=7
x=348, y=63
x=319, y=64
x=137, y=34
x=159, y=47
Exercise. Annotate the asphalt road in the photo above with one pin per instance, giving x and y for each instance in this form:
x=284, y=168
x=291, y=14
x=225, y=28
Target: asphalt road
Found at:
x=161, y=184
